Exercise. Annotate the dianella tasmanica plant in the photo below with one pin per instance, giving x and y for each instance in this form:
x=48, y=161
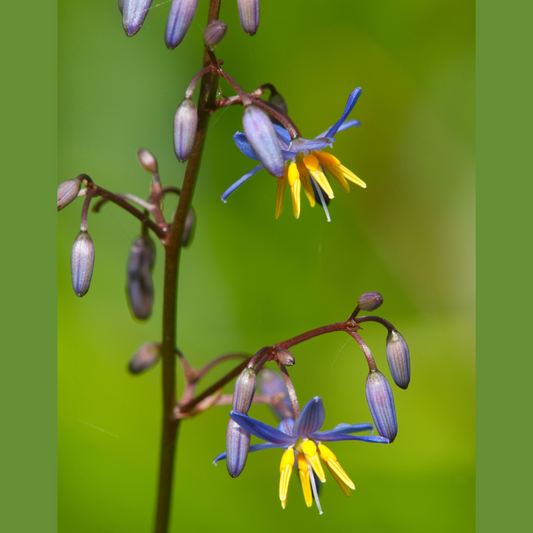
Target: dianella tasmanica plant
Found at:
x=272, y=139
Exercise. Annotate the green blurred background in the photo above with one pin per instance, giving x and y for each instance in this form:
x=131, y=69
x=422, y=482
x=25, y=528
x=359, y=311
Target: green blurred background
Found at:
x=250, y=280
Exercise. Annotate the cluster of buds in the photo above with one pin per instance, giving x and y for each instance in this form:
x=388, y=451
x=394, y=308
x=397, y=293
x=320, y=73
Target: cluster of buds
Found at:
x=181, y=14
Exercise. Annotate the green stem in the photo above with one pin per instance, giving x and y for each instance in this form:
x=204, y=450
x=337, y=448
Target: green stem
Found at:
x=170, y=426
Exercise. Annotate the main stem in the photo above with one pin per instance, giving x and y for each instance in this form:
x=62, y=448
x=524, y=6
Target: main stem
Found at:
x=170, y=297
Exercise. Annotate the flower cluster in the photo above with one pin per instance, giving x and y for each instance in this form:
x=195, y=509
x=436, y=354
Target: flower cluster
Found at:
x=305, y=164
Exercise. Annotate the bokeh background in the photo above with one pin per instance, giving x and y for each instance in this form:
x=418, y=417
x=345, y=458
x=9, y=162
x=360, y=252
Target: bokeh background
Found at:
x=249, y=280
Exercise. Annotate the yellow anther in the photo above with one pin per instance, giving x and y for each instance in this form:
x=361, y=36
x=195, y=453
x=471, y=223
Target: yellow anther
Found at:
x=308, y=188
x=334, y=466
x=293, y=174
x=305, y=479
x=346, y=173
x=311, y=162
x=295, y=195
x=279, y=196
x=322, y=181
x=340, y=482
x=287, y=461
x=309, y=447
x=326, y=159
x=283, y=503
x=302, y=169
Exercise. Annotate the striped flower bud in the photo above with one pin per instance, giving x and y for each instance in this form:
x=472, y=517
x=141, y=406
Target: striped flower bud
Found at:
x=179, y=20
x=381, y=403
x=133, y=14
x=271, y=383
x=262, y=136
x=67, y=192
x=214, y=33
x=286, y=358
x=237, y=438
x=370, y=301
x=188, y=230
x=147, y=160
x=145, y=357
x=185, y=123
x=139, y=284
x=398, y=359
x=249, y=13
x=82, y=263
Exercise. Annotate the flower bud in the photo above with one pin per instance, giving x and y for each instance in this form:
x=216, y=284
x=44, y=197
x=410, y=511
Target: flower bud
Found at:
x=188, y=230
x=139, y=284
x=262, y=136
x=244, y=390
x=278, y=102
x=145, y=357
x=67, y=192
x=271, y=383
x=286, y=358
x=370, y=301
x=214, y=33
x=179, y=20
x=237, y=444
x=133, y=14
x=249, y=13
x=381, y=403
x=82, y=263
x=147, y=160
x=185, y=123
x=398, y=359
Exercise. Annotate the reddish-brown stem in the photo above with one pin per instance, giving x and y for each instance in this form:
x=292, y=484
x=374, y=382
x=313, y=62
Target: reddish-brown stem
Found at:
x=212, y=364
x=292, y=391
x=85, y=210
x=378, y=319
x=338, y=326
x=366, y=350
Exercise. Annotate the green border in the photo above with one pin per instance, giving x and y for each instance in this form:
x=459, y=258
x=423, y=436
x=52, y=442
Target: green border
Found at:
x=504, y=87
x=29, y=167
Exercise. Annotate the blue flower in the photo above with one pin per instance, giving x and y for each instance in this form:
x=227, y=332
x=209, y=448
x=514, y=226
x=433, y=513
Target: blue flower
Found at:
x=306, y=163
x=302, y=441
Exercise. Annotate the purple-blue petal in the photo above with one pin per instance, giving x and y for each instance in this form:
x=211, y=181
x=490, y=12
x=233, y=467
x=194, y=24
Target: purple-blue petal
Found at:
x=239, y=182
x=311, y=144
x=321, y=436
x=354, y=95
x=283, y=135
x=244, y=146
x=253, y=448
x=286, y=425
x=261, y=430
x=310, y=418
x=347, y=429
x=288, y=154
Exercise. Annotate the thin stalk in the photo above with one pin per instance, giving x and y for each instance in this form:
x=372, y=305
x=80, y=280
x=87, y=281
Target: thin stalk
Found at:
x=170, y=297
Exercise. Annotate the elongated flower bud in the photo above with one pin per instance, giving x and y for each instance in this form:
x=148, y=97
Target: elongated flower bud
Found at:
x=188, y=230
x=249, y=13
x=271, y=383
x=185, y=123
x=121, y=5
x=370, y=301
x=381, y=403
x=262, y=136
x=214, y=33
x=238, y=439
x=147, y=160
x=145, y=357
x=82, y=263
x=67, y=192
x=133, y=14
x=286, y=358
x=179, y=20
x=398, y=359
x=139, y=284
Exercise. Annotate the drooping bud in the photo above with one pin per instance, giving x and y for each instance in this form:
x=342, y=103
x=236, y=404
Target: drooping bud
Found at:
x=145, y=357
x=179, y=20
x=147, y=160
x=139, y=284
x=82, y=263
x=262, y=136
x=133, y=14
x=286, y=358
x=381, y=403
x=272, y=384
x=185, y=123
x=278, y=102
x=249, y=14
x=237, y=438
x=370, y=301
x=214, y=33
x=188, y=230
x=398, y=359
x=67, y=192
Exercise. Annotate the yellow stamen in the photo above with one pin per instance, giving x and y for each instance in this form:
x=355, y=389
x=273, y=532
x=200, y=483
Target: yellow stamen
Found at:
x=295, y=195
x=279, y=195
x=308, y=188
x=309, y=448
x=331, y=461
x=305, y=479
x=320, y=177
x=283, y=503
x=293, y=174
x=340, y=170
x=287, y=461
x=311, y=162
x=340, y=178
x=326, y=159
x=340, y=482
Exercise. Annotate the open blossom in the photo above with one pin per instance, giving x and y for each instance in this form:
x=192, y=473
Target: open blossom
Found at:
x=306, y=164
x=303, y=446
